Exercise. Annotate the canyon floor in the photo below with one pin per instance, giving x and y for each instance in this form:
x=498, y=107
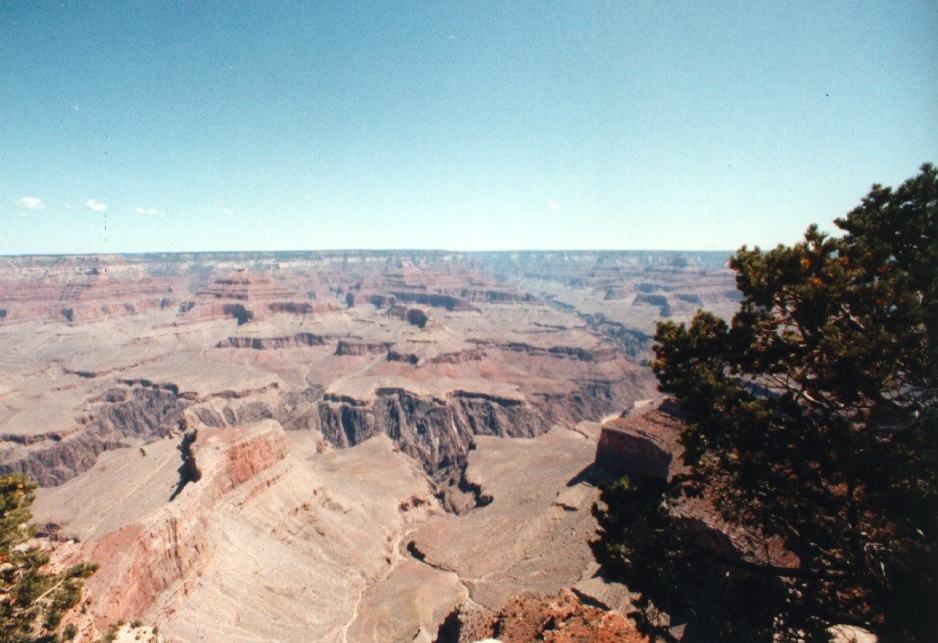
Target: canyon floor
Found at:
x=327, y=446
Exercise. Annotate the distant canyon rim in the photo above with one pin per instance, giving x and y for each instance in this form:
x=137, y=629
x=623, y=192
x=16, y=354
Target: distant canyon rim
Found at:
x=337, y=446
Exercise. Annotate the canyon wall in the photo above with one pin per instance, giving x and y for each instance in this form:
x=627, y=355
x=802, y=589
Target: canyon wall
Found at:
x=164, y=554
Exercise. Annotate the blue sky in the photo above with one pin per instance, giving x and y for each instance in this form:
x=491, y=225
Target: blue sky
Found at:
x=182, y=126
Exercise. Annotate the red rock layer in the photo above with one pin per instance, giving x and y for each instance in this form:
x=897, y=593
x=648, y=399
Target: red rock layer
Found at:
x=246, y=296
x=246, y=286
x=562, y=620
x=168, y=551
x=81, y=298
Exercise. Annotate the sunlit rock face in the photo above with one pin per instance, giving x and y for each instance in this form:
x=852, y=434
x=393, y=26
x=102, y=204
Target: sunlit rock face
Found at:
x=643, y=443
x=289, y=446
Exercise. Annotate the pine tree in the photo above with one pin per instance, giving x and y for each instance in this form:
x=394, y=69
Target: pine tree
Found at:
x=32, y=600
x=812, y=415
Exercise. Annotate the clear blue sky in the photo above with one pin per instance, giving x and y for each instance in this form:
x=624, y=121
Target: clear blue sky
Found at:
x=178, y=126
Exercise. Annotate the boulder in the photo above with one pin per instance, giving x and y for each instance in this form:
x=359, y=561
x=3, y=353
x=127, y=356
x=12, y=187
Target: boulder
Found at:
x=644, y=443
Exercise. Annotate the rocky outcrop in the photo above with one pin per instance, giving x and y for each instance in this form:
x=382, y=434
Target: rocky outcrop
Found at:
x=416, y=317
x=435, y=300
x=246, y=452
x=506, y=295
x=591, y=399
x=523, y=620
x=357, y=349
x=242, y=285
x=299, y=307
x=246, y=296
x=439, y=431
x=293, y=409
x=413, y=316
x=62, y=460
x=409, y=358
x=661, y=301
x=690, y=298
x=139, y=411
x=460, y=492
x=643, y=444
x=454, y=290
x=646, y=443
x=298, y=340
x=37, y=438
x=381, y=301
x=631, y=341
x=618, y=293
x=458, y=357
x=143, y=561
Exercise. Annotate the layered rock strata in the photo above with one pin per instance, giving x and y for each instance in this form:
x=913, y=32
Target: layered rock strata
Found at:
x=439, y=431
x=129, y=411
x=245, y=297
x=82, y=299
x=167, y=551
x=299, y=340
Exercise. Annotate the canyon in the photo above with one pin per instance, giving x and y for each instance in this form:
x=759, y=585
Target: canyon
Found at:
x=338, y=446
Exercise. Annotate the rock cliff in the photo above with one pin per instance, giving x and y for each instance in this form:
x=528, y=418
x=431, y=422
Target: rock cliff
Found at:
x=164, y=554
x=646, y=443
x=357, y=349
x=298, y=340
x=439, y=431
x=131, y=410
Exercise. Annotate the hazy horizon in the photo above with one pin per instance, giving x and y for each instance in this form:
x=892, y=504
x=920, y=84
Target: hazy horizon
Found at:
x=379, y=251
x=254, y=127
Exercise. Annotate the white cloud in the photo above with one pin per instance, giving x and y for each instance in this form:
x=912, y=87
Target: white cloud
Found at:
x=152, y=212
x=68, y=206
x=94, y=205
x=553, y=205
x=30, y=203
